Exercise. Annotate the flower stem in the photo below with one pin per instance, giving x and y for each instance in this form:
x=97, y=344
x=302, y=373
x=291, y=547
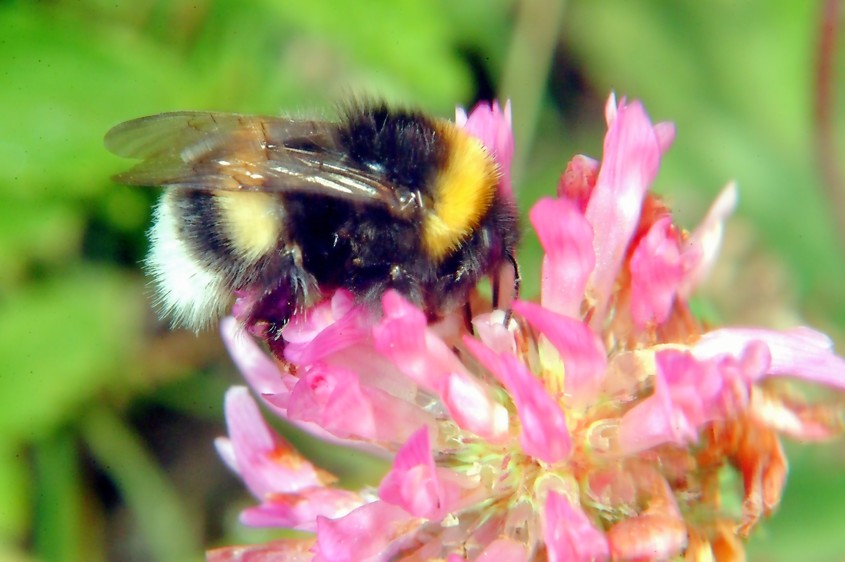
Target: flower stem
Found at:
x=155, y=504
x=536, y=34
x=834, y=183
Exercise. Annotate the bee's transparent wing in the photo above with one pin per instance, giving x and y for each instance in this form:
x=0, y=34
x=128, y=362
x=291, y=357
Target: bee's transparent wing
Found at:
x=225, y=151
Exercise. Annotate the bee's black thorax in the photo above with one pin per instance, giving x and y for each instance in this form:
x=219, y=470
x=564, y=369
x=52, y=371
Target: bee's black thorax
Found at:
x=402, y=146
x=350, y=247
x=368, y=251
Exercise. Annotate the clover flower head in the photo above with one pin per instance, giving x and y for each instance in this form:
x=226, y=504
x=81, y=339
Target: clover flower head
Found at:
x=591, y=425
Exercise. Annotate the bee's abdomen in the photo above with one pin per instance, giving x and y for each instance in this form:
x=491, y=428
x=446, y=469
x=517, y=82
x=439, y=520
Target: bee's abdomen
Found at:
x=205, y=245
x=189, y=287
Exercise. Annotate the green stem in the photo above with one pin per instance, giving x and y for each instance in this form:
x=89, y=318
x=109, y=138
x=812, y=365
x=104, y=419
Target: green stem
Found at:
x=829, y=156
x=171, y=534
x=536, y=34
x=59, y=525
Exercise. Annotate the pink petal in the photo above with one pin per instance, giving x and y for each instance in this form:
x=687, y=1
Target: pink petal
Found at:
x=738, y=374
x=659, y=419
x=301, y=509
x=654, y=422
x=578, y=180
x=375, y=370
x=544, y=434
x=632, y=151
x=375, y=531
x=610, y=109
x=416, y=485
x=656, y=273
x=471, y=407
x=665, y=133
x=264, y=375
x=334, y=399
x=583, y=354
x=695, y=387
x=225, y=450
x=504, y=549
x=491, y=330
x=348, y=329
x=305, y=326
x=259, y=370
x=648, y=537
x=704, y=242
x=567, y=240
x=800, y=352
x=403, y=336
x=492, y=126
x=266, y=462
x=568, y=533
x=412, y=483
x=689, y=392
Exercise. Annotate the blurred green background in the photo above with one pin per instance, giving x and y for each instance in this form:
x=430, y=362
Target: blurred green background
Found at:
x=107, y=417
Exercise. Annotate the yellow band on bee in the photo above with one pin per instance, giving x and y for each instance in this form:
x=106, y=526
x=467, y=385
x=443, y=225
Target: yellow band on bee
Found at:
x=463, y=192
x=251, y=221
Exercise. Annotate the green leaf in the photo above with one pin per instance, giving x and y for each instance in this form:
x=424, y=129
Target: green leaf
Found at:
x=61, y=528
x=62, y=341
x=421, y=66
x=810, y=516
x=15, y=495
x=12, y=553
x=46, y=231
x=170, y=533
x=69, y=81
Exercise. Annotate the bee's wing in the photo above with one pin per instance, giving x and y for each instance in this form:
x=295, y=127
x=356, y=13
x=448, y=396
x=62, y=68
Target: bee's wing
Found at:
x=223, y=151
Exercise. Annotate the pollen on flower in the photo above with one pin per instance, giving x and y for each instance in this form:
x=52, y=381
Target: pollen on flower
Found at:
x=596, y=425
x=284, y=454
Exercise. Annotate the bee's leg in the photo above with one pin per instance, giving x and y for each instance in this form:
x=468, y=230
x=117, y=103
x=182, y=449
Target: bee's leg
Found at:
x=268, y=314
x=495, y=282
x=517, y=279
x=468, y=318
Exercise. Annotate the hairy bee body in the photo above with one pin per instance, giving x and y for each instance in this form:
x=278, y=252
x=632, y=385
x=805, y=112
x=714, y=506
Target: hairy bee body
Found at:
x=284, y=212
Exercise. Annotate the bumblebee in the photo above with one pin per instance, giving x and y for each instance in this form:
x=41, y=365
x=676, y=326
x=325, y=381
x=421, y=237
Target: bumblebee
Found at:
x=281, y=212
